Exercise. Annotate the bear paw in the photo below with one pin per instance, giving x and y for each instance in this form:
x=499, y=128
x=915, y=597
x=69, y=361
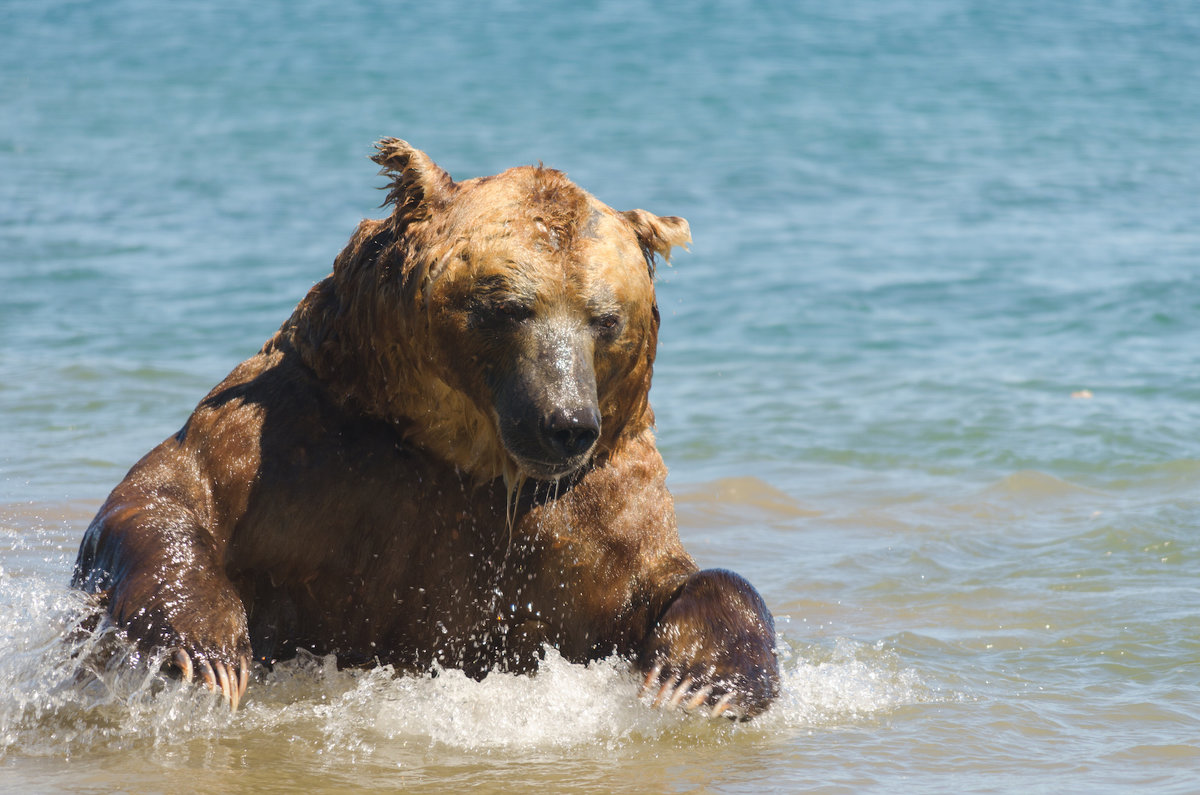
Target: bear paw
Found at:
x=714, y=646
x=201, y=623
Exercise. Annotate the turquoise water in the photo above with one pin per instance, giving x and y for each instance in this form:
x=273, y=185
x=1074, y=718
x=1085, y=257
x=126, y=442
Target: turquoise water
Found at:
x=928, y=375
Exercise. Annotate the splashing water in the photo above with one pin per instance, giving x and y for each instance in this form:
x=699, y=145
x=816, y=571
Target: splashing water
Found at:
x=66, y=690
x=69, y=692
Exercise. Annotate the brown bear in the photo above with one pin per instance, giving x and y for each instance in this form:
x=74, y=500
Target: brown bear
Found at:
x=443, y=457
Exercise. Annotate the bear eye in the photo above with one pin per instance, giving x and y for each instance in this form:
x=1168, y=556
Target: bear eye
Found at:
x=512, y=310
x=608, y=323
x=500, y=313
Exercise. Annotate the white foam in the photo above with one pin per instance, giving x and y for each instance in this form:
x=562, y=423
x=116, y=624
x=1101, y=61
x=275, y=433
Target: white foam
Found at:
x=849, y=682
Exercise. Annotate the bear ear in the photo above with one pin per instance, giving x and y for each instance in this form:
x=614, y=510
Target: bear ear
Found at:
x=417, y=181
x=657, y=234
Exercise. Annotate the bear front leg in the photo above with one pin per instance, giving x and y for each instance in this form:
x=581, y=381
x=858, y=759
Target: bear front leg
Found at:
x=714, y=644
x=160, y=575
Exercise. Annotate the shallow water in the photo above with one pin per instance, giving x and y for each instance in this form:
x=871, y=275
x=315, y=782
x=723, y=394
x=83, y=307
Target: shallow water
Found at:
x=927, y=377
x=81, y=697
x=1031, y=631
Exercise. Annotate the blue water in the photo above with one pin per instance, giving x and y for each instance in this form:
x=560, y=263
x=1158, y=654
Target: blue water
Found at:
x=928, y=374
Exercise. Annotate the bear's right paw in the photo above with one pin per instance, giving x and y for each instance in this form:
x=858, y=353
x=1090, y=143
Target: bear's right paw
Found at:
x=200, y=622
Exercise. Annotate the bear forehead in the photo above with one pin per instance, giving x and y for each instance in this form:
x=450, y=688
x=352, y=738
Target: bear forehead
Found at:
x=534, y=222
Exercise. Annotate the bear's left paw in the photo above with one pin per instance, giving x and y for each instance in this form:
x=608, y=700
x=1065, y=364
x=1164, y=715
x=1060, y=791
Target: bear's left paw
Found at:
x=714, y=645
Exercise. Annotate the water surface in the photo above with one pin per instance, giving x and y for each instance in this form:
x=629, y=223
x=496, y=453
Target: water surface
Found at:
x=928, y=376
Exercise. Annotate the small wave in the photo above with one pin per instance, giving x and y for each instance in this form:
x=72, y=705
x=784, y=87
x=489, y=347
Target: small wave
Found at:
x=1030, y=484
x=737, y=497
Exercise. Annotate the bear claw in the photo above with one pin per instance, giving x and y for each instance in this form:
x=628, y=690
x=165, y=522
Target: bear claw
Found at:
x=684, y=687
x=722, y=705
x=686, y=694
x=183, y=662
x=231, y=680
x=664, y=692
x=701, y=696
x=650, y=680
x=223, y=678
x=210, y=678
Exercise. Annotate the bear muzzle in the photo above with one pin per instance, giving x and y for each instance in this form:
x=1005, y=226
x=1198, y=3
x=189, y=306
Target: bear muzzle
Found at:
x=547, y=445
x=547, y=408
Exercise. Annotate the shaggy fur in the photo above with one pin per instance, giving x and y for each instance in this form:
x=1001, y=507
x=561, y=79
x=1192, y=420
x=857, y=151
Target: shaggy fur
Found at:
x=443, y=457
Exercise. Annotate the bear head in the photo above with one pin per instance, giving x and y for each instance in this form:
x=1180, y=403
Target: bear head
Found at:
x=513, y=319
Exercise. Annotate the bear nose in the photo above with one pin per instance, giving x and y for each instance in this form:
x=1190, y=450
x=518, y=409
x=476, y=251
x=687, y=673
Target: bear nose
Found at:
x=573, y=432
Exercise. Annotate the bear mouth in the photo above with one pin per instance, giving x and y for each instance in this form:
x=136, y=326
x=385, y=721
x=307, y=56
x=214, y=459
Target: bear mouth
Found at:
x=550, y=470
